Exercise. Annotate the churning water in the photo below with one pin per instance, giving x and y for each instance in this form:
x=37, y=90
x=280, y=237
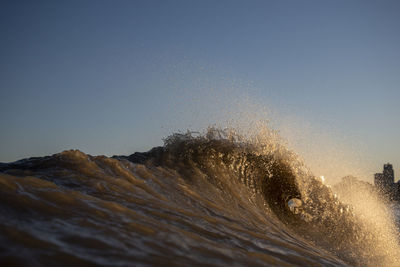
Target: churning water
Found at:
x=212, y=199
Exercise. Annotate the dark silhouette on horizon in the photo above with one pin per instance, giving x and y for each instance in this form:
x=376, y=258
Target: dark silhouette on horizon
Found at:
x=385, y=184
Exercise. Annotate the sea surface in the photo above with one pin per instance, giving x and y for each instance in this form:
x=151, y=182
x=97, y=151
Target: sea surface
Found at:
x=208, y=200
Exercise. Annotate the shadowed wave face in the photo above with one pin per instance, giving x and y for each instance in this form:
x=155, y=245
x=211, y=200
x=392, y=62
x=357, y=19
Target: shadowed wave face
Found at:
x=210, y=200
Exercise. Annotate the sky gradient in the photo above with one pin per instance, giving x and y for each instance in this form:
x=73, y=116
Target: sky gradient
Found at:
x=115, y=77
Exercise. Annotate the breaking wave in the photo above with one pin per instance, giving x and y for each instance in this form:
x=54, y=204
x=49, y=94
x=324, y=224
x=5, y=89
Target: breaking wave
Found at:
x=212, y=199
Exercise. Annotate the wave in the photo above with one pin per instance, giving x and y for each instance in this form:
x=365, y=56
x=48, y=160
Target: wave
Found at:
x=217, y=198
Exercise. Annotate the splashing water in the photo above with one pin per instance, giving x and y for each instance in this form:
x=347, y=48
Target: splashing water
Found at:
x=210, y=199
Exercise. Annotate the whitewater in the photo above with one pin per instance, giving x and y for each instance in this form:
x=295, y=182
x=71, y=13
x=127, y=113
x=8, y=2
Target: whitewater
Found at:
x=212, y=199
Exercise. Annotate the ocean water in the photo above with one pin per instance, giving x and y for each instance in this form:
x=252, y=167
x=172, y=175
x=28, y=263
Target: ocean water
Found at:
x=212, y=199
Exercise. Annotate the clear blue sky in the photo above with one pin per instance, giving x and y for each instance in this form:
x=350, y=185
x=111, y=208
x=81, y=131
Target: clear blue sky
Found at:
x=114, y=77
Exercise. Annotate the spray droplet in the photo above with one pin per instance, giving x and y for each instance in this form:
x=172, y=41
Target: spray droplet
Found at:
x=306, y=217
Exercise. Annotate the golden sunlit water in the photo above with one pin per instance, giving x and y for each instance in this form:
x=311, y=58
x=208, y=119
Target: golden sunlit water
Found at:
x=216, y=198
